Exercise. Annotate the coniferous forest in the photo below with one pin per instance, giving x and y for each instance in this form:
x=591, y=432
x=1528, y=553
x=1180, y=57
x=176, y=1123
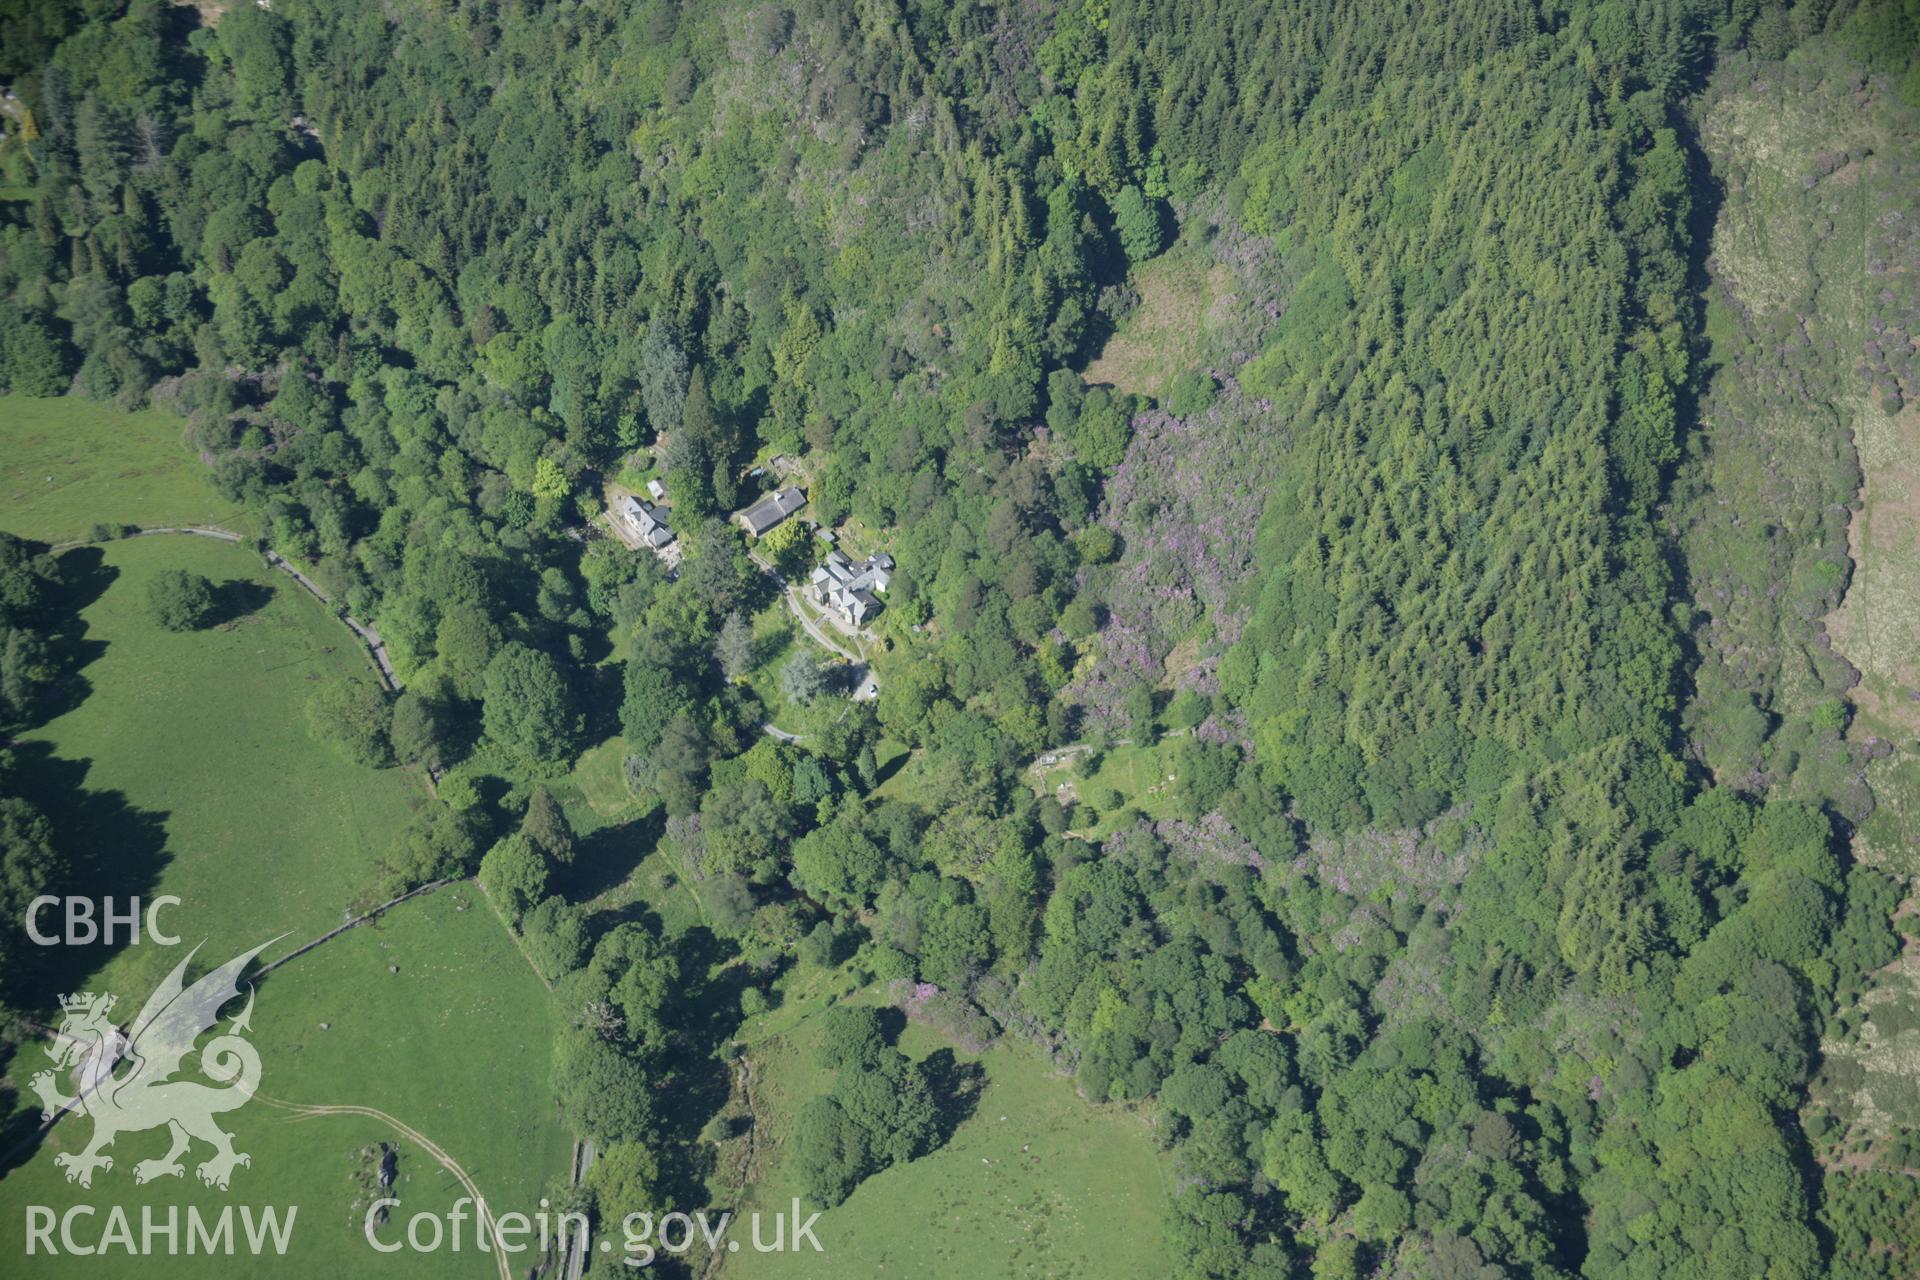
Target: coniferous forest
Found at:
x=1381, y=673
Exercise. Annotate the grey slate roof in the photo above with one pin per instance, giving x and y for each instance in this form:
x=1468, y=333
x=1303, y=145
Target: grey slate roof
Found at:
x=848, y=588
x=648, y=522
x=770, y=510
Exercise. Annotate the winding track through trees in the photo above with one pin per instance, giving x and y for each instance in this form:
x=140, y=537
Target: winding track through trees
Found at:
x=791, y=594
x=576, y=1255
x=376, y=647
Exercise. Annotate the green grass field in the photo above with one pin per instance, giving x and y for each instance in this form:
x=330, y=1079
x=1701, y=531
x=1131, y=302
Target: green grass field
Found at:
x=187, y=769
x=1165, y=335
x=1138, y=773
x=1035, y=1182
x=67, y=463
x=598, y=776
x=775, y=636
x=659, y=882
x=890, y=758
x=266, y=831
x=455, y=1045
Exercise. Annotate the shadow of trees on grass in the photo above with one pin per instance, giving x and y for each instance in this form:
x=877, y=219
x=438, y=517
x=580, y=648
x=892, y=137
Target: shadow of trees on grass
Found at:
x=607, y=856
x=101, y=844
x=235, y=599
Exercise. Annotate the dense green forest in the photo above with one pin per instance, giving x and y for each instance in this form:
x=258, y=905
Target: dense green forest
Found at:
x=1502, y=896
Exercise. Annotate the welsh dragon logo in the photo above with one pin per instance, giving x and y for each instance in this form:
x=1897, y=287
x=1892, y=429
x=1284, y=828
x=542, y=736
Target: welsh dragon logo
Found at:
x=125, y=1079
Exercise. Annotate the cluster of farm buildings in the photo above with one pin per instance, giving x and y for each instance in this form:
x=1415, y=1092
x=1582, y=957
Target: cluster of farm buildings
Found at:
x=846, y=589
